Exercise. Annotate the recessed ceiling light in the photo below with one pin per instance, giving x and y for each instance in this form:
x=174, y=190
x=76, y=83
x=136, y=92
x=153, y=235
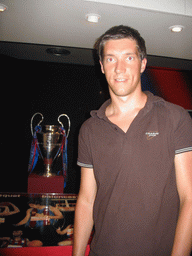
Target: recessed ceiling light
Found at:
x=3, y=7
x=58, y=51
x=176, y=28
x=92, y=17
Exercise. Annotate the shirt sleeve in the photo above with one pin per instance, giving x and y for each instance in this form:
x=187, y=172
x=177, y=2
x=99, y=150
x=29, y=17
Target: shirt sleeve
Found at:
x=183, y=133
x=84, y=149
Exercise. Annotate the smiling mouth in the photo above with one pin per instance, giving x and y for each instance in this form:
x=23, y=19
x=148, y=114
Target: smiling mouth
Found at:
x=120, y=79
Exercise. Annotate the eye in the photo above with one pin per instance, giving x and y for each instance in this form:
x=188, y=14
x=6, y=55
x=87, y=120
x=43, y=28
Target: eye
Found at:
x=110, y=59
x=130, y=58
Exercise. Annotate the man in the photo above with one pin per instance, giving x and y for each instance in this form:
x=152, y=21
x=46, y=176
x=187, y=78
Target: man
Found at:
x=135, y=154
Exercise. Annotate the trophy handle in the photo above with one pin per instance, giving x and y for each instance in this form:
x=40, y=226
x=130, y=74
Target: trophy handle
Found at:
x=69, y=123
x=38, y=123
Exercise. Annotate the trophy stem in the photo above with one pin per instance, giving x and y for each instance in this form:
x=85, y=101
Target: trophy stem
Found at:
x=48, y=169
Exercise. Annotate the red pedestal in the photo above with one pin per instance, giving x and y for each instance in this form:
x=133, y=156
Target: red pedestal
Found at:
x=40, y=184
x=39, y=251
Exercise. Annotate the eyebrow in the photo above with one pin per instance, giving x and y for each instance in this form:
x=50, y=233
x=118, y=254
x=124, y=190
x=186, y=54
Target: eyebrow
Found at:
x=128, y=53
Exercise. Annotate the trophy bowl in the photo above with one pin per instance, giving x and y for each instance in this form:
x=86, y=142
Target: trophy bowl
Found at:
x=49, y=139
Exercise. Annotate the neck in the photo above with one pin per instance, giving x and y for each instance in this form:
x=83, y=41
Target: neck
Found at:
x=126, y=104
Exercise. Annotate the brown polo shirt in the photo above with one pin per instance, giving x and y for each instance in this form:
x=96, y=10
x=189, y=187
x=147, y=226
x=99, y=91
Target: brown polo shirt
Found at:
x=136, y=206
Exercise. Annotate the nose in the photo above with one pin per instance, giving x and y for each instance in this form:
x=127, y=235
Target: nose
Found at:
x=120, y=67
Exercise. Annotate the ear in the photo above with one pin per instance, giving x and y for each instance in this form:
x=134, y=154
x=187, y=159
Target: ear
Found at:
x=102, y=68
x=143, y=65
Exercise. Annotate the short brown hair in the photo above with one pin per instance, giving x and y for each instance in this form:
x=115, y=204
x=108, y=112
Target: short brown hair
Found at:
x=121, y=32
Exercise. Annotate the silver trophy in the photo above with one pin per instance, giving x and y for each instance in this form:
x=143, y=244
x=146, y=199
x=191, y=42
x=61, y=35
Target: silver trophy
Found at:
x=50, y=142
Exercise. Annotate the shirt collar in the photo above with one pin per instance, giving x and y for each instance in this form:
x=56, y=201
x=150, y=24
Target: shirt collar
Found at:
x=101, y=112
x=149, y=104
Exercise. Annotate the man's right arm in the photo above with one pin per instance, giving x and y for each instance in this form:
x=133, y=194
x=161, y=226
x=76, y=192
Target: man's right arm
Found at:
x=84, y=211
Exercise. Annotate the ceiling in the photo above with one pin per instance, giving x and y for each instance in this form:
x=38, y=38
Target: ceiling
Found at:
x=29, y=27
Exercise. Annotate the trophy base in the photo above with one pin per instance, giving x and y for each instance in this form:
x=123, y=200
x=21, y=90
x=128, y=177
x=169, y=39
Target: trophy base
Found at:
x=48, y=175
x=48, y=170
x=44, y=184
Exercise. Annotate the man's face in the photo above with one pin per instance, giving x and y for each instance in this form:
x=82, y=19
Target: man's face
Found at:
x=122, y=66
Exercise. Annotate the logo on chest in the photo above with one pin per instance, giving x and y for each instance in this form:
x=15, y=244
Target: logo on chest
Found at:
x=151, y=135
